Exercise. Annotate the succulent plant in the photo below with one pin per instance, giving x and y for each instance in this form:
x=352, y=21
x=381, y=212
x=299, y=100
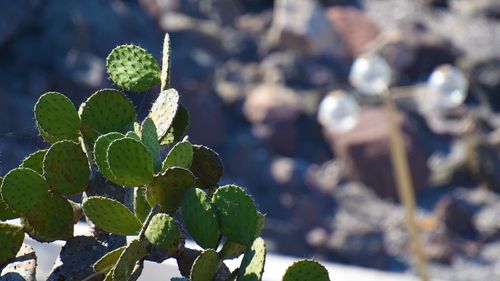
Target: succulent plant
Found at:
x=130, y=188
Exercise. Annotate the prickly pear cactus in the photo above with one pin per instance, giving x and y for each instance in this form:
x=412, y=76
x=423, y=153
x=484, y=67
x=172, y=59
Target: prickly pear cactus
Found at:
x=131, y=186
x=133, y=68
x=306, y=270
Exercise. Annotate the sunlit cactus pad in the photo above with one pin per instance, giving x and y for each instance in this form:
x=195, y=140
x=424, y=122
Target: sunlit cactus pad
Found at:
x=133, y=68
x=252, y=265
x=56, y=117
x=106, y=111
x=306, y=270
x=163, y=111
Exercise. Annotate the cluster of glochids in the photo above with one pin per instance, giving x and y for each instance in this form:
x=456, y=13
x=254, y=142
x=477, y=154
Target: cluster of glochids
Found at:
x=371, y=75
x=171, y=197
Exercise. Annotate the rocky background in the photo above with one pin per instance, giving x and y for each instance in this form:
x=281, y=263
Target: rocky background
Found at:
x=252, y=72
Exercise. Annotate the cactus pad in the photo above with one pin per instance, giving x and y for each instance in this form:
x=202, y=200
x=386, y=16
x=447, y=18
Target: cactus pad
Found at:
x=34, y=161
x=6, y=213
x=167, y=189
x=200, y=218
x=141, y=205
x=133, y=135
x=232, y=249
x=178, y=127
x=149, y=138
x=306, y=270
x=163, y=111
x=166, y=64
x=23, y=188
x=134, y=252
x=206, y=166
x=252, y=265
x=52, y=219
x=56, y=117
x=66, y=168
x=111, y=216
x=133, y=68
x=106, y=111
x=130, y=162
x=237, y=214
x=108, y=261
x=101, y=153
x=11, y=239
x=205, y=266
x=163, y=233
x=181, y=155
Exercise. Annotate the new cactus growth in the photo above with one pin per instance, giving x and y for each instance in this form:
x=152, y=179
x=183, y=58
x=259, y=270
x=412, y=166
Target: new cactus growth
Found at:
x=130, y=188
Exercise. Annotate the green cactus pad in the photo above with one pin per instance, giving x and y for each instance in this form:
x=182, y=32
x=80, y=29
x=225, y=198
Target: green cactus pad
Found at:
x=163, y=233
x=23, y=188
x=232, y=249
x=6, y=212
x=109, y=276
x=106, y=111
x=178, y=127
x=200, y=218
x=130, y=162
x=57, y=118
x=149, y=138
x=252, y=265
x=11, y=239
x=306, y=270
x=133, y=68
x=205, y=266
x=111, y=216
x=206, y=166
x=166, y=64
x=34, y=161
x=163, y=111
x=134, y=252
x=66, y=168
x=237, y=213
x=52, y=219
x=141, y=205
x=101, y=153
x=168, y=188
x=181, y=155
x=108, y=261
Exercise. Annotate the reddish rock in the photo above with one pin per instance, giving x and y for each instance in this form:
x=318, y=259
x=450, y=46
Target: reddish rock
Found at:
x=365, y=151
x=355, y=29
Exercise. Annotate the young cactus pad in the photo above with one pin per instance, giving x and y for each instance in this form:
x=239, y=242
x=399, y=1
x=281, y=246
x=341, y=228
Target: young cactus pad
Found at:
x=57, y=118
x=181, y=155
x=133, y=68
x=163, y=111
x=252, y=265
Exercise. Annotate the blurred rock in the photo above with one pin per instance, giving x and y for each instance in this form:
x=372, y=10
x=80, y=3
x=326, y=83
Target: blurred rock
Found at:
x=356, y=30
x=325, y=177
x=365, y=150
x=485, y=81
x=304, y=27
x=438, y=247
x=414, y=51
x=355, y=242
x=456, y=216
